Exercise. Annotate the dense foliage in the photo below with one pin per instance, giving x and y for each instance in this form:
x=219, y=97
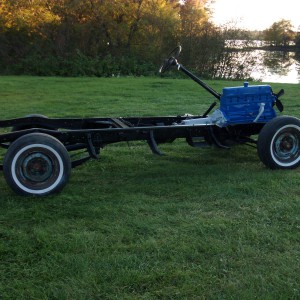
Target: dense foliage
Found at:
x=102, y=37
x=280, y=33
x=121, y=37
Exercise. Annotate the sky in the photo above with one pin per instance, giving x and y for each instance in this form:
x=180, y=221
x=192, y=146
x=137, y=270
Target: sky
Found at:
x=256, y=14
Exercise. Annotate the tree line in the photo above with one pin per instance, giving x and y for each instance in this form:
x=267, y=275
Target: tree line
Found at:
x=106, y=37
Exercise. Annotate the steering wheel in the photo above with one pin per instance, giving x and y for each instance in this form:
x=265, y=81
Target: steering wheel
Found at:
x=171, y=61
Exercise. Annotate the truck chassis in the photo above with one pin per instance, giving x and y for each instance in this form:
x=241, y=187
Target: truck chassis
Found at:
x=38, y=159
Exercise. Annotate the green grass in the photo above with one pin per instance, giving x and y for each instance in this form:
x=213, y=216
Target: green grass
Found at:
x=193, y=224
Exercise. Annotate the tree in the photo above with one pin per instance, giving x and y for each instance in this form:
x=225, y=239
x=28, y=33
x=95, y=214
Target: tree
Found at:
x=30, y=15
x=280, y=33
x=297, y=40
x=199, y=37
x=194, y=17
x=21, y=26
x=127, y=27
x=69, y=34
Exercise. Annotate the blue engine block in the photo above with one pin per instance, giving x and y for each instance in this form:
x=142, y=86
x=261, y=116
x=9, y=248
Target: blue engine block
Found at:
x=248, y=104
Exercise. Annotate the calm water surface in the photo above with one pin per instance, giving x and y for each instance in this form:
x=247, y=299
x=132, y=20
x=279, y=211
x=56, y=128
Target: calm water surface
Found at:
x=267, y=66
x=275, y=66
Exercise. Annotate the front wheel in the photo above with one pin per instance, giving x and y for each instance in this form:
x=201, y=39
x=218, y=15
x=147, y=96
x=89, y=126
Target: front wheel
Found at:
x=36, y=164
x=279, y=143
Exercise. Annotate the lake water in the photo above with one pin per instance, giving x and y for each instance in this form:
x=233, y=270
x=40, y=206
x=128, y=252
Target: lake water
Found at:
x=266, y=66
x=275, y=66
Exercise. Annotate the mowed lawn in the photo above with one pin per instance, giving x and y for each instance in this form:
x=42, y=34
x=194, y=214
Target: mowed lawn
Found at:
x=192, y=224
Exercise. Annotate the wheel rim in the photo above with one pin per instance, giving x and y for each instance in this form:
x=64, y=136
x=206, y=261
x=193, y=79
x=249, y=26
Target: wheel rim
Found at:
x=285, y=146
x=37, y=169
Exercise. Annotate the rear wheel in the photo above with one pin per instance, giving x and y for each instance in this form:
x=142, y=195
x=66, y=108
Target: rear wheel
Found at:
x=279, y=143
x=37, y=164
